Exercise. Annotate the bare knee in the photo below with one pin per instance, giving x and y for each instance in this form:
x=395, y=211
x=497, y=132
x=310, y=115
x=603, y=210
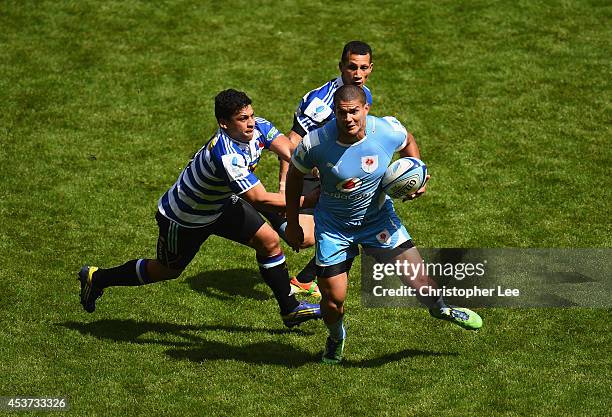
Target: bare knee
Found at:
x=266, y=241
x=331, y=300
x=333, y=305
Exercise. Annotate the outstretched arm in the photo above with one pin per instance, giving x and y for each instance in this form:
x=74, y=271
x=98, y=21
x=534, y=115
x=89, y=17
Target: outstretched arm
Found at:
x=283, y=167
x=262, y=200
x=283, y=147
x=295, y=184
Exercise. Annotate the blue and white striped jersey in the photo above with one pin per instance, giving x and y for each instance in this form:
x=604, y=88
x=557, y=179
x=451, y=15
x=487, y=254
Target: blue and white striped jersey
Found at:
x=221, y=168
x=317, y=107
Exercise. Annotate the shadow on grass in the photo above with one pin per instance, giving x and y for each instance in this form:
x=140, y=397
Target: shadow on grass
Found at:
x=282, y=354
x=133, y=332
x=393, y=357
x=186, y=341
x=229, y=283
x=186, y=344
x=268, y=353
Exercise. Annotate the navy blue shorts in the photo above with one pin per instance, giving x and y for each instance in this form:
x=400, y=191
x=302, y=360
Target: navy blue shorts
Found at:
x=177, y=245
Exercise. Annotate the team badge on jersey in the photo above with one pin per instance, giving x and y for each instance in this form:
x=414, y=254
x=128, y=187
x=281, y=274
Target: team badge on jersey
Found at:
x=317, y=110
x=349, y=185
x=384, y=237
x=369, y=163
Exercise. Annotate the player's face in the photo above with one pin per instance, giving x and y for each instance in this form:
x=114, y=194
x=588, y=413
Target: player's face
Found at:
x=351, y=118
x=240, y=126
x=356, y=69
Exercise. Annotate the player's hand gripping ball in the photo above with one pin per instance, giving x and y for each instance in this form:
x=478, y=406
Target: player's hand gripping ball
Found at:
x=404, y=177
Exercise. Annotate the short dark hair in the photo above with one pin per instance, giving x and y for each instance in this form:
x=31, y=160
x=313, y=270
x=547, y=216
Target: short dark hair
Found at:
x=355, y=47
x=229, y=102
x=349, y=92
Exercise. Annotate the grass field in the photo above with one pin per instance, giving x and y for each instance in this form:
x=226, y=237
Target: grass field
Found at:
x=102, y=104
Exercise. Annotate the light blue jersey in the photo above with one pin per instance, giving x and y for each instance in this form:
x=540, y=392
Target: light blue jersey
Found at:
x=352, y=208
x=351, y=174
x=222, y=167
x=317, y=107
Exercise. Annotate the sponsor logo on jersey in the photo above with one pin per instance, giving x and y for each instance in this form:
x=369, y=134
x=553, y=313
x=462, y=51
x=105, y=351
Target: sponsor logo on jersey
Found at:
x=317, y=110
x=234, y=166
x=271, y=134
x=349, y=185
x=335, y=168
x=369, y=163
x=346, y=196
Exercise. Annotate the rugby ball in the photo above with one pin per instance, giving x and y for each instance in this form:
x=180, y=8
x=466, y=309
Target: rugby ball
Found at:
x=404, y=177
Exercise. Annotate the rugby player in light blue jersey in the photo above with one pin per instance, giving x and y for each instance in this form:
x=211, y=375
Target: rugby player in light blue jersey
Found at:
x=316, y=108
x=215, y=195
x=352, y=155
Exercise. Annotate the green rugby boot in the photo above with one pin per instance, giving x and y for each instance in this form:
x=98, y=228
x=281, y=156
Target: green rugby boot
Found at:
x=462, y=317
x=333, y=351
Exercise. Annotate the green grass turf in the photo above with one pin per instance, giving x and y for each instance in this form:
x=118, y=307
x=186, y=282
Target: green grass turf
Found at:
x=102, y=104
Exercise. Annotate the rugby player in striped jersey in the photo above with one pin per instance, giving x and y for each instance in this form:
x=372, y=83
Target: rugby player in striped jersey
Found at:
x=217, y=193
